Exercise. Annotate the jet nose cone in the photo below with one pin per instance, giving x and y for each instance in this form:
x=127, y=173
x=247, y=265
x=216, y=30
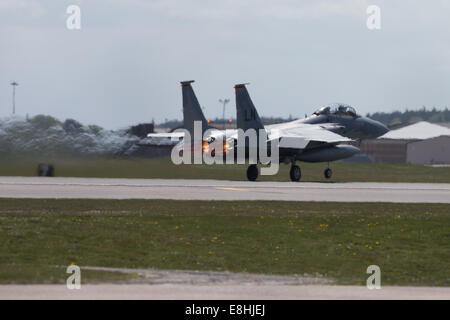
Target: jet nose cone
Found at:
x=373, y=128
x=381, y=129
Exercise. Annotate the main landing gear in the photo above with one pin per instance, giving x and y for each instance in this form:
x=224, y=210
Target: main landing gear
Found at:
x=295, y=173
x=252, y=172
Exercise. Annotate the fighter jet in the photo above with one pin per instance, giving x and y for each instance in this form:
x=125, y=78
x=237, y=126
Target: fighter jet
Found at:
x=309, y=139
x=317, y=138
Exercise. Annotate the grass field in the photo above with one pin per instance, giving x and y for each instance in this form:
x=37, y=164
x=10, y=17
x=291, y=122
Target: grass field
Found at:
x=163, y=168
x=410, y=243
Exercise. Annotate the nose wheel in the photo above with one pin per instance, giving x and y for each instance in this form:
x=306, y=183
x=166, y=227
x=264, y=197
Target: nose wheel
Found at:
x=295, y=173
x=252, y=172
x=328, y=173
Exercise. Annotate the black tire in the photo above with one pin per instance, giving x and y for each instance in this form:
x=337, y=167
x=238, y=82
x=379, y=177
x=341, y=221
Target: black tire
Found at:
x=252, y=172
x=327, y=173
x=295, y=173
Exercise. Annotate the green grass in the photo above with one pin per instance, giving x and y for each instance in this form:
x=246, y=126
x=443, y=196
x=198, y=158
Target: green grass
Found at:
x=163, y=168
x=45, y=274
x=410, y=242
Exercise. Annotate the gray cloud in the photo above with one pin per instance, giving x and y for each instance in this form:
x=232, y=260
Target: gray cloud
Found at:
x=123, y=67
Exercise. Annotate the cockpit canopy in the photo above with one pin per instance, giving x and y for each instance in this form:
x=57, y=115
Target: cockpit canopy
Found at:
x=337, y=109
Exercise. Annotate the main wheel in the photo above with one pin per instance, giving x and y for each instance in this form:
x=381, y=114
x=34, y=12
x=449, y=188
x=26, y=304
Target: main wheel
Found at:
x=328, y=173
x=295, y=173
x=252, y=172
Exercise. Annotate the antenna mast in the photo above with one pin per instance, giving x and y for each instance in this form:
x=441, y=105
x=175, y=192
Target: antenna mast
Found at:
x=224, y=102
x=14, y=85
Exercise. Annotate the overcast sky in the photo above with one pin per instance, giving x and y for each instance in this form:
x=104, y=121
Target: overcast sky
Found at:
x=124, y=65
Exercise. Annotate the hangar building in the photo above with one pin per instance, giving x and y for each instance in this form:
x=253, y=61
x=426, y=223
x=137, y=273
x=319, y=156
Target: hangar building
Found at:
x=419, y=143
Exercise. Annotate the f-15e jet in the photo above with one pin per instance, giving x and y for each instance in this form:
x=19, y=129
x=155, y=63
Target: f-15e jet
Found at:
x=317, y=138
x=307, y=139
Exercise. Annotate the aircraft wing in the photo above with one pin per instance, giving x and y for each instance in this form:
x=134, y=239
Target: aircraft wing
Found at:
x=173, y=138
x=166, y=135
x=168, y=139
x=299, y=136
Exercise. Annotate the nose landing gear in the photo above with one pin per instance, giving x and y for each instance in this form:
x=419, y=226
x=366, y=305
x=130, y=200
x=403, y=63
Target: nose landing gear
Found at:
x=328, y=173
x=295, y=173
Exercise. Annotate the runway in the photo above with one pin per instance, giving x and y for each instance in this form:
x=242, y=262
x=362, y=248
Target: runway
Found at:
x=157, y=284
x=176, y=189
x=224, y=292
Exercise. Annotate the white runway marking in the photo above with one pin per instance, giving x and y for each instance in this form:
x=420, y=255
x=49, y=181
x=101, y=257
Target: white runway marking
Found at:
x=104, y=188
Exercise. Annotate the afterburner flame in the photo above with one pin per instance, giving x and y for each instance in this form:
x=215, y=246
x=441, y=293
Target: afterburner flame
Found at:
x=226, y=146
x=205, y=146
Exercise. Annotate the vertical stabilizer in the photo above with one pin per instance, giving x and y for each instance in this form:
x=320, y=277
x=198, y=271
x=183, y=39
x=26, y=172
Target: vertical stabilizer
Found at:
x=191, y=108
x=246, y=114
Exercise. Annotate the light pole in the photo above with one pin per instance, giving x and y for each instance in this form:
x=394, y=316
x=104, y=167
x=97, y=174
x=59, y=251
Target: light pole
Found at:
x=224, y=103
x=14, y=85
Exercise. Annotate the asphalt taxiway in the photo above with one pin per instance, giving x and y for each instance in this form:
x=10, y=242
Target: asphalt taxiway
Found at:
x=177, y=189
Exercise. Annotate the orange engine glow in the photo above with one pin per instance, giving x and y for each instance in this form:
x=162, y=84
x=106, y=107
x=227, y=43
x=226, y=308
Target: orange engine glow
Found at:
x=225, y=147
x=205, y=146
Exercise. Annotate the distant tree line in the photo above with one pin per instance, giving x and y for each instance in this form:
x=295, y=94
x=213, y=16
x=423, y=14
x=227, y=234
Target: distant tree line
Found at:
x=391, y=119
x=172, y=124
x=398, y=118
x=46, y=136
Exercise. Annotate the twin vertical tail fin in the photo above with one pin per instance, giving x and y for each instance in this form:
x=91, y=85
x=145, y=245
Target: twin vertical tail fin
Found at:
x=191, y=108
x=246, y=114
